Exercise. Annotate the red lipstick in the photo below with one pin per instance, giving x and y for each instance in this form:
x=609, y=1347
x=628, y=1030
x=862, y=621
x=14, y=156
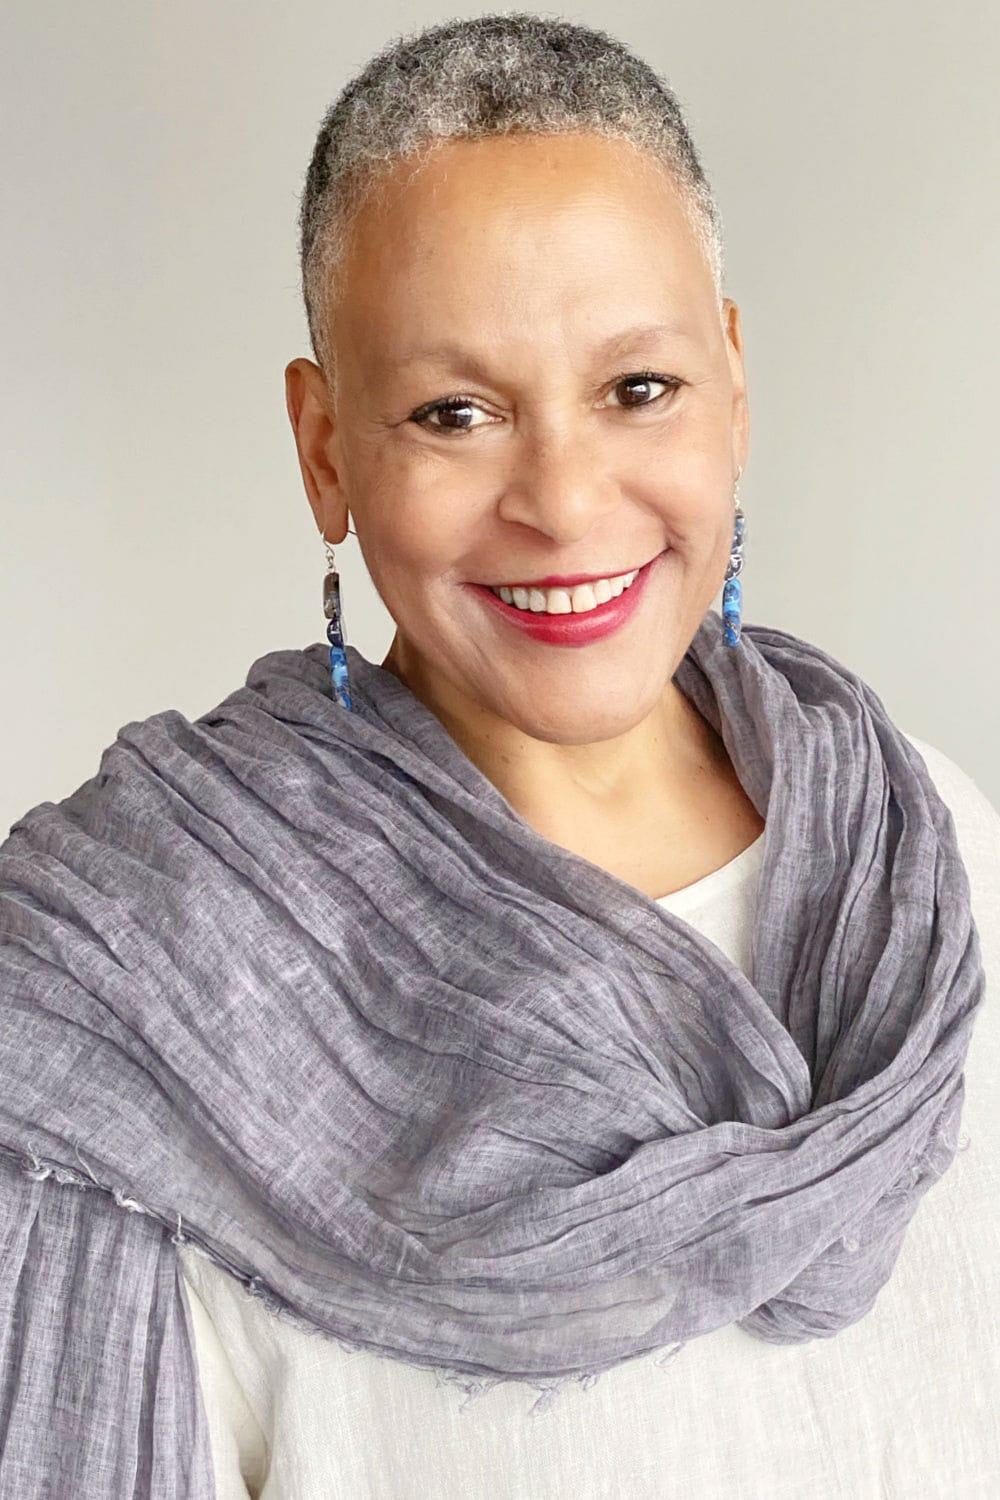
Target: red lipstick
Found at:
x=572, y=629
x=561, y=580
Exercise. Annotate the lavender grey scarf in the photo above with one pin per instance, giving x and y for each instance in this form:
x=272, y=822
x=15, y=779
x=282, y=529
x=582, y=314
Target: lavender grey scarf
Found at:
x=298, y=986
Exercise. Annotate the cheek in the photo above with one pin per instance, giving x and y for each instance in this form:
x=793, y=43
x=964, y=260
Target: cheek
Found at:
x=698, y=528
x=414, y=554
x=437, y=522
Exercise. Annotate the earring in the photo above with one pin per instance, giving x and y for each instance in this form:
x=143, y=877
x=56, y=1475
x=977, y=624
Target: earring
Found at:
x=334, y=631
x=732, y=592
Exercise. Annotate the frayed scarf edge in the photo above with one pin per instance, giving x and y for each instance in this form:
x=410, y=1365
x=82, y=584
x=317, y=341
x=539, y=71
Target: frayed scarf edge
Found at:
x=472, y=1386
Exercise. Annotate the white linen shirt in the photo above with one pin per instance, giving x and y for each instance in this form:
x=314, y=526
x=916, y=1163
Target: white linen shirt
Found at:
x=904, y=1403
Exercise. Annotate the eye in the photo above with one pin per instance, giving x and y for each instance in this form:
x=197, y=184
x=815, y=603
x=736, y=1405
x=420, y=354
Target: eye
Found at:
x=449, y=405
x=647, y=377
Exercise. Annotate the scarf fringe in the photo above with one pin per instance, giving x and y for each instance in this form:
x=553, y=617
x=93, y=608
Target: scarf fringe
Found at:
x=473, y=1386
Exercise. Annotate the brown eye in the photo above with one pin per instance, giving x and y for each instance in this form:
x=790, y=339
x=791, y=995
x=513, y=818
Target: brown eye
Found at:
x=458, y=406
x=448, y=407
x=645, y=379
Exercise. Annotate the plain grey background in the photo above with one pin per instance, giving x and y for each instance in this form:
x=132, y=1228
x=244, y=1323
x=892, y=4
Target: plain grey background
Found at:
x=156, y=536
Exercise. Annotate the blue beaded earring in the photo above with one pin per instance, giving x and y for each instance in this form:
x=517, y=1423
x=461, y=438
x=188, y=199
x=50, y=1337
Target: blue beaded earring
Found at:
x=335, y=632
x=732, y=592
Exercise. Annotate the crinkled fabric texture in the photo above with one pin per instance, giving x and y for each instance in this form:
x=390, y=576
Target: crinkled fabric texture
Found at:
x=299, y=987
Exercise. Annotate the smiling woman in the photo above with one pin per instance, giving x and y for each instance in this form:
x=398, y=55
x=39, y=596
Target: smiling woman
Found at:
x=541, y=397
x=593, y=979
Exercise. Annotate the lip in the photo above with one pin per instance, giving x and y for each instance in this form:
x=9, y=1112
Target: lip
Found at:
x=565, y=580
x=571, y=629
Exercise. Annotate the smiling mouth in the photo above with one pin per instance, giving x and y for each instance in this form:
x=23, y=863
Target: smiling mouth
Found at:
x=568, y=594
x=575, y=617
x=572, y=580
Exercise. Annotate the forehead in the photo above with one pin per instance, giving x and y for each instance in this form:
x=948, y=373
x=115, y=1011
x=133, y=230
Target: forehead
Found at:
x=446, y=353
x=519, y=190
x=521, y=237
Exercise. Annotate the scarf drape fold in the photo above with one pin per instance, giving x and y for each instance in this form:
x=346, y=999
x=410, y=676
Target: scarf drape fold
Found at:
x=299, y=987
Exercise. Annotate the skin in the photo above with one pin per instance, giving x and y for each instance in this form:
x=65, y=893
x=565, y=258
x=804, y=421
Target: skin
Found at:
x=527, y=252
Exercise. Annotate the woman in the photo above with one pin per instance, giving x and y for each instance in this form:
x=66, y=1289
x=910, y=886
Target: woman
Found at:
x=586, y=999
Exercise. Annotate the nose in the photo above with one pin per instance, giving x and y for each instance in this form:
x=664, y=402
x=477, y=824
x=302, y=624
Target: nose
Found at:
x=559, y=486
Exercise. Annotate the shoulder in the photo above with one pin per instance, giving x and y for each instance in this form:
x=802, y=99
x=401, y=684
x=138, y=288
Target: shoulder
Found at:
x=977, y=829
x=949, y=777
x=972, y=1192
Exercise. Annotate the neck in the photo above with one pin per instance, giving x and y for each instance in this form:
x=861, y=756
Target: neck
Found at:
x=562, y=789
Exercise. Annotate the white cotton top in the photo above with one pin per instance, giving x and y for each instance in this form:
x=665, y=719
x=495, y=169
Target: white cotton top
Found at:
x=903, y=1403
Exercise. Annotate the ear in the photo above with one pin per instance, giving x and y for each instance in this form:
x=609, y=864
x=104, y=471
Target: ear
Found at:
x=741, y=409
x=314, y=428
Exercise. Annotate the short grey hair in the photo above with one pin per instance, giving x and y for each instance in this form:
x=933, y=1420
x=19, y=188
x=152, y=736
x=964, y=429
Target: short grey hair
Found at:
x=487, y=75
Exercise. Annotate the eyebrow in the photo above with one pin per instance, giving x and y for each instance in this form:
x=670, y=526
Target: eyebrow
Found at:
x=454, y=354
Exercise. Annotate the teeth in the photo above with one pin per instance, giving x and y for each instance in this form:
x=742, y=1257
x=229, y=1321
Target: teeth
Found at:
x=575, y=601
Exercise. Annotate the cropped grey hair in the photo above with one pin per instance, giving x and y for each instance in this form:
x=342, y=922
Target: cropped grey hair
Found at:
x=487, y=75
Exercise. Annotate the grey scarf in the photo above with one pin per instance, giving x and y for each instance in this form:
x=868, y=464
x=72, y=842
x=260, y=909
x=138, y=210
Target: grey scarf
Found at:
x=296, y=985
